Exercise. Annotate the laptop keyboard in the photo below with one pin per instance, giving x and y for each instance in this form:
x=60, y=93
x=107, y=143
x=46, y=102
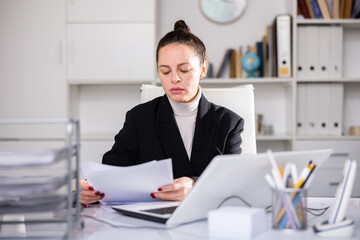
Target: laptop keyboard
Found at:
x=161, y=211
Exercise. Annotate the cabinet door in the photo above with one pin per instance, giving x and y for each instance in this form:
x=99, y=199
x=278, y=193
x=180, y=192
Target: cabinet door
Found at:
x=111, y=10
x=32, y=69
x=117, y=52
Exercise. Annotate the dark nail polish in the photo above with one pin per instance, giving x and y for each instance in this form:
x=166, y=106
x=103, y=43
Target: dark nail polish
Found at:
x=159, y=189
x=91, y=188
x=102, y=195
x=97, y=193
x=152, y=195
x=84, y=205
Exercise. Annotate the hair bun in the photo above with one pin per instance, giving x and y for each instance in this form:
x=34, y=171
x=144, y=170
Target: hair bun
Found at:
x=180, y=25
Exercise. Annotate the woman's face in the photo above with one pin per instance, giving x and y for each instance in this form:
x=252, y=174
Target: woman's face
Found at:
x=180, y=71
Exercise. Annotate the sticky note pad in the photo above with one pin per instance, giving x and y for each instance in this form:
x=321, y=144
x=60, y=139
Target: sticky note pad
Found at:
x=238, y=222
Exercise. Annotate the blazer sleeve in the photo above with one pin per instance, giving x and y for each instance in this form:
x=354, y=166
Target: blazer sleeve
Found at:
x=125, y=149
x=233, y=141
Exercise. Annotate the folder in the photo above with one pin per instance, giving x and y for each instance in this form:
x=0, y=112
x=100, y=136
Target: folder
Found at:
x=336, y=52
x=301, y=52
x=259, y=50
x=270, y=50
x=309, y=6
x=336, y=9
x=311, y=52
x=323, y=51
x=336, y=110
x=324, y=108
x=311, y=109
x=301, y=109
x=324, y=9
x=283, y=45
x=316, y=9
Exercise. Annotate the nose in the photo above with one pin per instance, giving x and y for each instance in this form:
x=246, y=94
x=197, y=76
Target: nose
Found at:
x=175, y=78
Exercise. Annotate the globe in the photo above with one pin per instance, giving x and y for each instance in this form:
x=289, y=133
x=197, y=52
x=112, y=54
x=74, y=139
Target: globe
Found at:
x=250, y=63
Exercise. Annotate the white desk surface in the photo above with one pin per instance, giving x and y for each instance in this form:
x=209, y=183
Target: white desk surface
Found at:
x=196, y=231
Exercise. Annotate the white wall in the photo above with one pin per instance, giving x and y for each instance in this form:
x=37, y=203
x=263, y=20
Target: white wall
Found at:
x=248, y=29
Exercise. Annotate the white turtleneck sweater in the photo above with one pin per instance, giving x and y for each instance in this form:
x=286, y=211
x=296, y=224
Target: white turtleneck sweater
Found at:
x=185, y=116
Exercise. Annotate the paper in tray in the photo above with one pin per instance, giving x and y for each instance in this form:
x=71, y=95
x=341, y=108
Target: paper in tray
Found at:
x=10, y=159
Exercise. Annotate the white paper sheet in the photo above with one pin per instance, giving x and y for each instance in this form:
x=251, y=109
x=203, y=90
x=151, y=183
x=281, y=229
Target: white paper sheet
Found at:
x=128, y=184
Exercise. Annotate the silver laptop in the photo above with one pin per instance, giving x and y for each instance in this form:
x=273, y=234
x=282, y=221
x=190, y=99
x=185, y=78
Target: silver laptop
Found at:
x=227, y=175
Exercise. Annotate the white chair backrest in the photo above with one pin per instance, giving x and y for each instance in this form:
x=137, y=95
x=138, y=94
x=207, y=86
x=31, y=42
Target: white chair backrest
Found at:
x=239, y=99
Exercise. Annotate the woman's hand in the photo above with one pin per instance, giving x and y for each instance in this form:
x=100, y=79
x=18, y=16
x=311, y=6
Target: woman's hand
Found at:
x=88, y=194
x=176, y=191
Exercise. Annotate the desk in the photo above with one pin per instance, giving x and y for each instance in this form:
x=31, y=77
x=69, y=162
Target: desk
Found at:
x=197, y=231
x=95, y=230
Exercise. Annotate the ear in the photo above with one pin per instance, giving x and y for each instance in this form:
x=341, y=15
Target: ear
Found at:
x=204, y=69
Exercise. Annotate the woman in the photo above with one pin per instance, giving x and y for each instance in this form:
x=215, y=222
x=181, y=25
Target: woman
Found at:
x=181, y=125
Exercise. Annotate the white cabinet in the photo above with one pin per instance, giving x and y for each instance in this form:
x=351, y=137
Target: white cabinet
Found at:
x=117, y=52
x=111, y=10
x=32, y=64
x=111, y=52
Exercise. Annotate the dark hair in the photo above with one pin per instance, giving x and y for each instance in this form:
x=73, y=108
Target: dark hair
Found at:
x=182, y=35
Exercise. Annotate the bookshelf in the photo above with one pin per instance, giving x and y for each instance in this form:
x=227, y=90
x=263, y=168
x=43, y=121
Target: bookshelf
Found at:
x=344, y=145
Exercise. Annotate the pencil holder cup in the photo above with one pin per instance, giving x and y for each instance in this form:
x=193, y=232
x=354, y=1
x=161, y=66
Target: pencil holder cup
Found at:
x=289, y=206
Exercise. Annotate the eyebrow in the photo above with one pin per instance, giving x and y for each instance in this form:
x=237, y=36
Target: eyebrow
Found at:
x=178, y=65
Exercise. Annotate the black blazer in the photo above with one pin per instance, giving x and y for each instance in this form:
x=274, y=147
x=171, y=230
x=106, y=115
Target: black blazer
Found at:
x=150, y=133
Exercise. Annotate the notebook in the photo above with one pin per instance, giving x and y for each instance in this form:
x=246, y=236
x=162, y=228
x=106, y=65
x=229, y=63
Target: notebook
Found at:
x=226, y=175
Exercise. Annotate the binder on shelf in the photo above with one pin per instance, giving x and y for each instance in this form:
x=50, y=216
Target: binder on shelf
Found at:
x=324, y=108
x=316, y=9
x=336, y=51
x=336, y=111
x=336, y=9
x=259, y=50
x=274, y=49
x=283, y=45
x=309, y=6
x=330, y=5
x=232, y=63
x=270, y=51
x=324, y=9
x=265, y=57
x=342, y=9
x=311, y=109
x=304, y=8
x=324, y=51
x=347, y=8
x=311, y=51
x=225, y=60
x=356, y=10
x=301, y=52
x=301, y=109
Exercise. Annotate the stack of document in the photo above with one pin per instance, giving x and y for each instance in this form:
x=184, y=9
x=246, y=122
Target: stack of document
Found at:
x=128, y=184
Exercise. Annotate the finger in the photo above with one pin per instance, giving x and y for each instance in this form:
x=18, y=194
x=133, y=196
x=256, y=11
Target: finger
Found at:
x=85, y=185
x=86, y=199
x=169, y=195
x=166, y=188
x=90, y=193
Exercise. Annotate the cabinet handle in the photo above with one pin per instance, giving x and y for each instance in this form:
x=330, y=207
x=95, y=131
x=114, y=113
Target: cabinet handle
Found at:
x=71, y=49
x=339, y=155
x=60, y=52
x=334, y=184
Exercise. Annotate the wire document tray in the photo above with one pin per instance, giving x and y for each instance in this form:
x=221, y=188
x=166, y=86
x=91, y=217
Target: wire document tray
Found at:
x=36, y=185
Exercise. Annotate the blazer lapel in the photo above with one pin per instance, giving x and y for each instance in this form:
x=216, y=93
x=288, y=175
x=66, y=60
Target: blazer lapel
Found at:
x=170, y=138
x=205, y=130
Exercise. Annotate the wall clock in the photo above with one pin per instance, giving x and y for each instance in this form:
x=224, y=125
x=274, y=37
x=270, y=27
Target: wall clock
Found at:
x=222, y=11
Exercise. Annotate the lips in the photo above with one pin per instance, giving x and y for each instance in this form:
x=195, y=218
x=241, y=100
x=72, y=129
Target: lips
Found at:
x=177, y=90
